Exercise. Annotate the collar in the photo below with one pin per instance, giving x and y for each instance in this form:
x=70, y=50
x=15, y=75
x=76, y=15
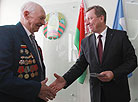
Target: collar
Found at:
x=103, y=33
x=27, y=31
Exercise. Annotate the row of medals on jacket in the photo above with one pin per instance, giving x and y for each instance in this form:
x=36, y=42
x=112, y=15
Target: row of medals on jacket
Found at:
x=25, y=62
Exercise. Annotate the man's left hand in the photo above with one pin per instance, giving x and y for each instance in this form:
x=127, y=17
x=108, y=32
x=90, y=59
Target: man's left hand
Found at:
x=106, y=76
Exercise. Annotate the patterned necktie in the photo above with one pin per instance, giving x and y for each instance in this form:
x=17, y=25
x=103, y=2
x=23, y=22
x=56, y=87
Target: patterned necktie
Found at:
x=34, y=43
x=32, y=37
x=100, y=48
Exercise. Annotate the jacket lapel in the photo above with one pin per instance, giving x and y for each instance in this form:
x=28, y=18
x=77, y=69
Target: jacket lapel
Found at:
x=26, y=40
x=107, y=43
x=94, y=47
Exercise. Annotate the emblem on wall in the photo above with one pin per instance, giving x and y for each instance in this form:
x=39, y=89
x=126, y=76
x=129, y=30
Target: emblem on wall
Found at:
x=55, y=25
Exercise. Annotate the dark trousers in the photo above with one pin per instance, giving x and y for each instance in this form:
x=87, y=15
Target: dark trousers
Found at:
x=102, y=95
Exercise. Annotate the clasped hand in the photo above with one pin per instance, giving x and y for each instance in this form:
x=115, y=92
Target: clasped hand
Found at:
x=58, y=84
x=46, y=92
x=49, y=92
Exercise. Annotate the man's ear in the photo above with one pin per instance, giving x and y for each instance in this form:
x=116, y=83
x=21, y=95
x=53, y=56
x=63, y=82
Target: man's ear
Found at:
x=26, y=14
x=102, y=18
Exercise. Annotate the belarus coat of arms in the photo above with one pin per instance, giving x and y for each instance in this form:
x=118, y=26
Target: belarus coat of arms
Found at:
x=55, y=25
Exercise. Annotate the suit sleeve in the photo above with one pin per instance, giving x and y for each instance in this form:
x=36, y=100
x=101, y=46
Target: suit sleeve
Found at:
x=129, y=58
x=9, y=83
x=76, y=70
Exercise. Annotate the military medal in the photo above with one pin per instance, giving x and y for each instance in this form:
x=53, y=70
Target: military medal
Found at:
x=21, y=62
x=23, y=46
x=34, y=61
x=26, y=51
x=26, y=62
x=36, y=73
x=30, y=61
x=22, y=57
x=32, y=75
x=31, y=55
x=26, y=70
x=20, y=70
x=20, y=76
x=36, y=68
x=26, y=57
x=21, y=51
x=32, y=70
x=26, y=76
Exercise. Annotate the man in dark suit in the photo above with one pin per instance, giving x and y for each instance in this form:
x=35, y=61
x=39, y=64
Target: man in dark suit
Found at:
x=22, y=71
x=109, y=53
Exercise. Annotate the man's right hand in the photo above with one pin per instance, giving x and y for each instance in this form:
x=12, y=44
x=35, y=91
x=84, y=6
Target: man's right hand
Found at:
x=46, y=92
x=58, y=84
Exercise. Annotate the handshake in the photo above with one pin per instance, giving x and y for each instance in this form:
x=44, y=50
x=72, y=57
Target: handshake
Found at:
x=49, y=92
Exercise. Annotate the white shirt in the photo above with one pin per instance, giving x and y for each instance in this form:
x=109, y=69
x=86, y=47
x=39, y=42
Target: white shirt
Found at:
x=103, y=38
x=27, y=31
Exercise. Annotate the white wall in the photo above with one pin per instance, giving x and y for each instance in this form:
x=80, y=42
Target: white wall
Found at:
x=132, y=24
x=57, y=52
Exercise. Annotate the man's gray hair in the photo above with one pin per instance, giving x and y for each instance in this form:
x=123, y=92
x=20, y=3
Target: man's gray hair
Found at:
x=29, y=6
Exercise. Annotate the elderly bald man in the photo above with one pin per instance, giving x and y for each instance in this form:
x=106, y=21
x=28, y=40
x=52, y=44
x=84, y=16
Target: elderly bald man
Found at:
x=22, y=71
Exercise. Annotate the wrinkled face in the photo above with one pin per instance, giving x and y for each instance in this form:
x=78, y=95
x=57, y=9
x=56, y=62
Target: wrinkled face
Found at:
x=36, y=20
x=93, y=21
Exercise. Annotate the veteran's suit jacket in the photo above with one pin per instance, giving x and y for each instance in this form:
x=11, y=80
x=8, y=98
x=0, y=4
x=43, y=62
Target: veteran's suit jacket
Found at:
x=118, y=57
x=20, y=70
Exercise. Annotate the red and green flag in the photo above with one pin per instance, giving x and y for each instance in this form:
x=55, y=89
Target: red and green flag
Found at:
x=80, y=34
